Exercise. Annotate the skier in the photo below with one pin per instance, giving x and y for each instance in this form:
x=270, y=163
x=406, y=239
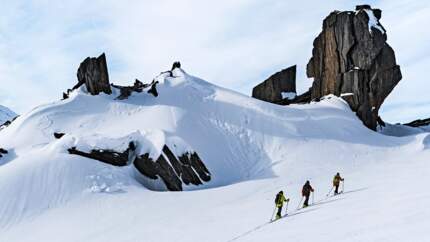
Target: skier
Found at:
x=306, y=192
x=279, y=201
x=336, y=182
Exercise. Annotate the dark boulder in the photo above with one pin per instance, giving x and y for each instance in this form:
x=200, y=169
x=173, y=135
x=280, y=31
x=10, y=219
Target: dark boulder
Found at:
x=93, y=73
x=175, y=65
x=281, y=82
x=58, y=135
x=3, y=151
x=352, y=59
x=159, y=168
x=153, y=89
x=185, y=169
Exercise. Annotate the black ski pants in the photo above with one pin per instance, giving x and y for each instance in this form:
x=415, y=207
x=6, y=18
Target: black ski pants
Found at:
x=306, y=203
x=279, y=211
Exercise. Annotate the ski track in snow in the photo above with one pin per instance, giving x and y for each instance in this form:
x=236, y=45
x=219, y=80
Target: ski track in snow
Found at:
x=297, y=211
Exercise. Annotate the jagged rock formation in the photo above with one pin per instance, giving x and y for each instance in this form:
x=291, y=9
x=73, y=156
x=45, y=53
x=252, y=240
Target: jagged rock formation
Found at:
x=94, y=74
x=351, y=59
x=138, y=86
x=419, y=123
x=187, y=168
x=174, y=170
x=277, y=86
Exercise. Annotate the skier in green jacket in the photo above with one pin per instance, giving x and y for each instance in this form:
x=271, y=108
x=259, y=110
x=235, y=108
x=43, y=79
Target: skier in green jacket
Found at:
x=279, y=201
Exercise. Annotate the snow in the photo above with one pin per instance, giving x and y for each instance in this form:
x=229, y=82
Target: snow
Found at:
x=346, y=94
x=288, y=95
x=399, y=130
x=6, y=114
x=253, y=149
x=373, y=21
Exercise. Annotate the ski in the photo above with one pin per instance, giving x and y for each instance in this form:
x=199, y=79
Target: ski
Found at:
x=276, y=219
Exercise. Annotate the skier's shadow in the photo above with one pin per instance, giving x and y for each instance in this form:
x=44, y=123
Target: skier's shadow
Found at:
x=297, y=212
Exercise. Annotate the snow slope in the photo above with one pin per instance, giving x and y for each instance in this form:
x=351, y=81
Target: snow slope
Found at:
x=6, y=114
x=400, y=130
x=253, y=149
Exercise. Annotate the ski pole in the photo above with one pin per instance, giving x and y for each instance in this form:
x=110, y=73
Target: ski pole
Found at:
x=300, y=203
x=286, y=208
x=273, y=214
x=343, y=186
x=329, y=191
x=313, y=201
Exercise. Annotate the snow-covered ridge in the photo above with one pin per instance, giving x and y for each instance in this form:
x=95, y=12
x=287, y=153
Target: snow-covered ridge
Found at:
x=252, y=148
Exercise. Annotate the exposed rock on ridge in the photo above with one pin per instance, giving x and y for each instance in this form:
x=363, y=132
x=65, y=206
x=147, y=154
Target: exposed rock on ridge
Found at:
x=351, y=59
x=271, y=90
x=419, y=123
x=93, y=72
x=173, y=169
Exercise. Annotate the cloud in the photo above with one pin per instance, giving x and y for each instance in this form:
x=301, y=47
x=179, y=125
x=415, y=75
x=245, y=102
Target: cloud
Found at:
x=235, y=44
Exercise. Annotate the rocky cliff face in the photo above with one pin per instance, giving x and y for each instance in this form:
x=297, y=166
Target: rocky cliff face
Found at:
x=352, y=59
x=279, y=86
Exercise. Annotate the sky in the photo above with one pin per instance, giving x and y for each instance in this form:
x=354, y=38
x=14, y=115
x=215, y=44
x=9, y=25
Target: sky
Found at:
x=234, y=44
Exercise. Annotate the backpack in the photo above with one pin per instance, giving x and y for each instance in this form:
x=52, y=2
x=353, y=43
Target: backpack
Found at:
x=278, y=197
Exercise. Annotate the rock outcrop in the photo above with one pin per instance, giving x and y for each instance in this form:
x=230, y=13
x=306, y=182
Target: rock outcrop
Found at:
x=111, y=157
x=7, y=123
x=279, y=86
x=352, y=59
x=419, y=123
x=138, y=86
x=3, y=152
x=93, y=73
x=174, y=170
x=58, y=135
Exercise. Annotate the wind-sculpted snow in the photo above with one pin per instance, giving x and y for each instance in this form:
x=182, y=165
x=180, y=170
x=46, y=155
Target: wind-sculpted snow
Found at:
x=252, y=149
